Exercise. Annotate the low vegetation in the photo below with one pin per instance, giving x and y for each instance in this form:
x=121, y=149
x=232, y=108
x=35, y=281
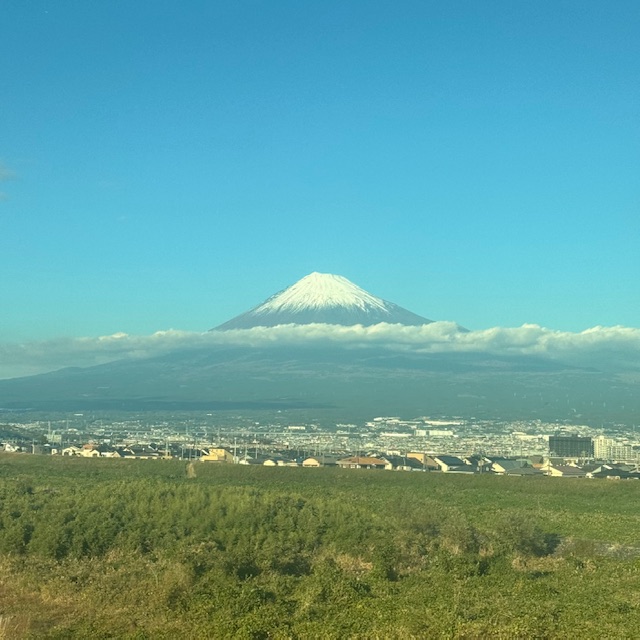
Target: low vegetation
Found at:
x=162, y=549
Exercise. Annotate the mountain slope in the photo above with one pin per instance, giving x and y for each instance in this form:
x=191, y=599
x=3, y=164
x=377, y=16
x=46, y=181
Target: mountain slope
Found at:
x=323, y=298
x=334, y=381
x=352, y=380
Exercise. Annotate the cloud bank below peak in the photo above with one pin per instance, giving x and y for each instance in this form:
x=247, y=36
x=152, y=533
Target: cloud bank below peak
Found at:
x=609, y=348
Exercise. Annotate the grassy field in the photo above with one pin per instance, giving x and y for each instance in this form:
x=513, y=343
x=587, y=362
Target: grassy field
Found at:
x=161, y=549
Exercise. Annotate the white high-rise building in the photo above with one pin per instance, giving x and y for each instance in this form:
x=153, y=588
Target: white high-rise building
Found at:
x=609, y=449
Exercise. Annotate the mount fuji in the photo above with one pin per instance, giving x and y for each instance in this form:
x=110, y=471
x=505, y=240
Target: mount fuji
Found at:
x=331, y=380
x=323, y=298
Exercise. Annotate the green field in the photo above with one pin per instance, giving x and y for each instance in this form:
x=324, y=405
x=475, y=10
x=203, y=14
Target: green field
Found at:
x=163, y=549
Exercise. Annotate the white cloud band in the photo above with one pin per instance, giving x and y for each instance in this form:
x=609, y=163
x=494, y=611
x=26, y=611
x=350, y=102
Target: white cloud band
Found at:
x=606, y=347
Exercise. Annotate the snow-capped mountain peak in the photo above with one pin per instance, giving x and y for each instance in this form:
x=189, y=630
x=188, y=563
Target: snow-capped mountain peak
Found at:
x=324, y=298
x=320, y=291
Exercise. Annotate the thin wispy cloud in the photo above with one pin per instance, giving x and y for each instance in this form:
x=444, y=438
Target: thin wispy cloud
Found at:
x=6, y=173
x=607, y=347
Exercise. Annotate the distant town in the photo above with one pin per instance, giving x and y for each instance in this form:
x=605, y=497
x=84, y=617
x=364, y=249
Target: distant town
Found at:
x=434, y=444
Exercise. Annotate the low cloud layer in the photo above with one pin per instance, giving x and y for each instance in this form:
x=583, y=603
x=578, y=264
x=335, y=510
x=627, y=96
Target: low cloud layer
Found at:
x=605, y=347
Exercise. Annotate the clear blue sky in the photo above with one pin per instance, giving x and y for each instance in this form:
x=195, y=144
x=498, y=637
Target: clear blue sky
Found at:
x=171, y=164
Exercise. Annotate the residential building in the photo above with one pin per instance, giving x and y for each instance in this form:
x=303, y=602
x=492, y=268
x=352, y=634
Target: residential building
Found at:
x=571, y=446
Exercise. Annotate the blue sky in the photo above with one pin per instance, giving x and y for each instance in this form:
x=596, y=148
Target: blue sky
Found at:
x=169, y=165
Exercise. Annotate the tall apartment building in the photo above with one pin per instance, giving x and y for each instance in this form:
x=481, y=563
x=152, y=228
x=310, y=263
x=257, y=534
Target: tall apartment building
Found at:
x=570, y=446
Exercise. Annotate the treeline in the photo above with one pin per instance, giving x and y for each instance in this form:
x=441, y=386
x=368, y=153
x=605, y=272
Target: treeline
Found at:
x=154, y=549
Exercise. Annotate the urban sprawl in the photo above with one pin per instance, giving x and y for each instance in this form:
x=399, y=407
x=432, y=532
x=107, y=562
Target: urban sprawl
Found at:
x=446, y=445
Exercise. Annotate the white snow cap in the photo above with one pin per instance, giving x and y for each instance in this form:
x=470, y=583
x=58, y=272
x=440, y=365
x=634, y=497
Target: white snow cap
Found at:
x=323, y=298
x=321, y=290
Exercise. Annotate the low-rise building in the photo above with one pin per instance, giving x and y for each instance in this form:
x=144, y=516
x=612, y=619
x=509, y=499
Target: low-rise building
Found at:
x=320, y=461
x=566, y=471
x=217, y=455
x=362, y=462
